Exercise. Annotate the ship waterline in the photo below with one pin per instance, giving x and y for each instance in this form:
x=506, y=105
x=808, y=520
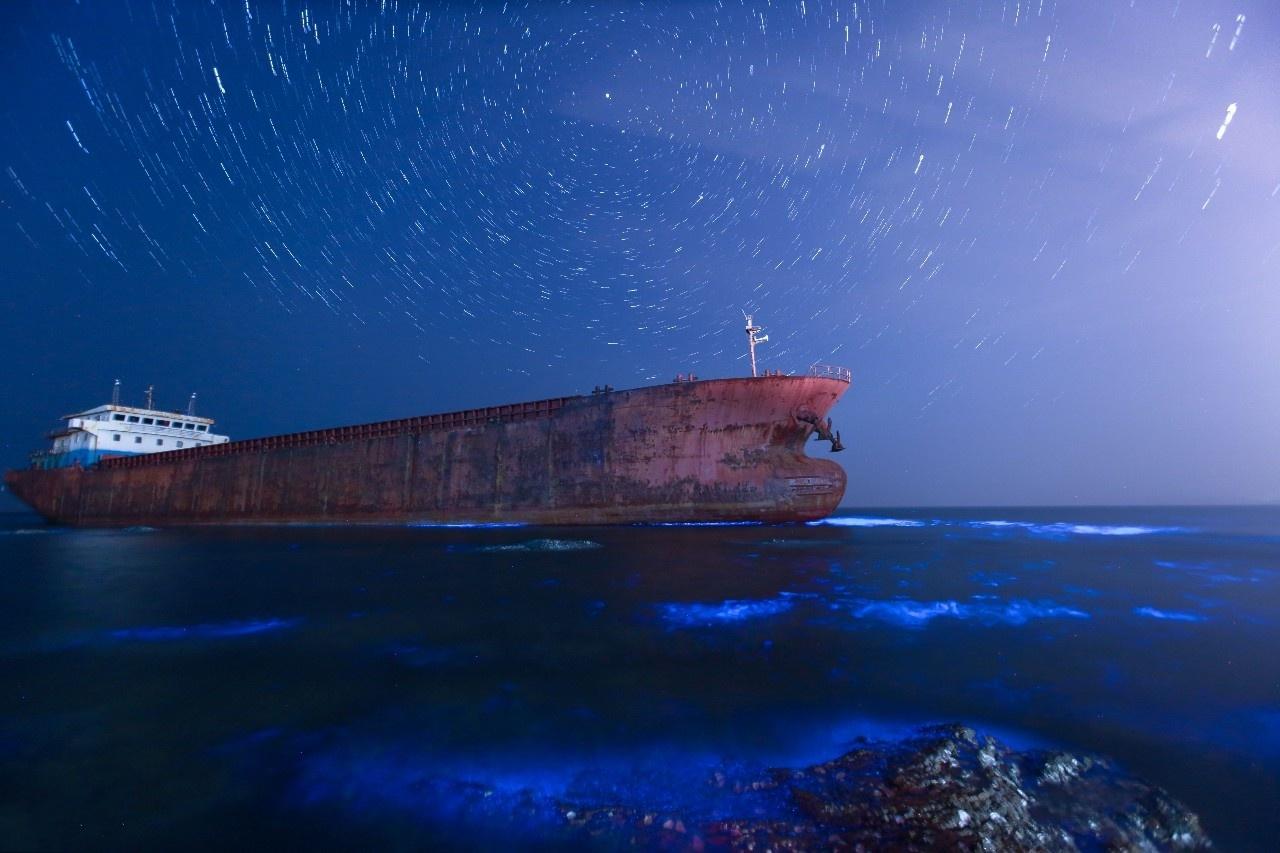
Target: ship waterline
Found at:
x=690, y=451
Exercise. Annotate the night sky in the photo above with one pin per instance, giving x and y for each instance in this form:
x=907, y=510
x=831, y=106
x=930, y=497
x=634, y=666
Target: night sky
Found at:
x=1044, y=236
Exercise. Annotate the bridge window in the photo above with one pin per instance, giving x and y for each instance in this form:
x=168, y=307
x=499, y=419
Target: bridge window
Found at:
x=133, y=419
x=161, y=423
x=117, y=417
x=203, y=427
x=148, y=420
x=188, y=426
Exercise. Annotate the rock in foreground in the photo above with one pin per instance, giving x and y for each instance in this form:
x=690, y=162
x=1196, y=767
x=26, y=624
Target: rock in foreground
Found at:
x=944, y=788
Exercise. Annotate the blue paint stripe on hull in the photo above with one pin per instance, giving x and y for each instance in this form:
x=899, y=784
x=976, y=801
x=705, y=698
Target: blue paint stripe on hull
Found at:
x=71, y=458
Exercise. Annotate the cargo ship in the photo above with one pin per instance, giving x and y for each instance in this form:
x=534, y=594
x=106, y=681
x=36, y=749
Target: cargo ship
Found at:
x=691, y=450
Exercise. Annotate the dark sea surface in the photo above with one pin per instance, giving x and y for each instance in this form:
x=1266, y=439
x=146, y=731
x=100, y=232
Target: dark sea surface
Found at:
x=347, y=687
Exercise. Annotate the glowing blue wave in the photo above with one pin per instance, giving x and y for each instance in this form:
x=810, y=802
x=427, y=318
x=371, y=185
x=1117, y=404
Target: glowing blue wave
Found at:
x=906, y=613
x=1051, y=530
x=538, y=545
x=1213, y=573
x=1169, y=615
x=1100, y=530
x=695, y=614
x=215, y=631
x=1062, y=530
x=1187, y=567
x=524, y=793
x=861, y=521
x=699, y=524
x=481, y=791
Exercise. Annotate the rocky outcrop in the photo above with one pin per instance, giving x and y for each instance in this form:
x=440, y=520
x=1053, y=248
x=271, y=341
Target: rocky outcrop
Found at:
x=944, y=788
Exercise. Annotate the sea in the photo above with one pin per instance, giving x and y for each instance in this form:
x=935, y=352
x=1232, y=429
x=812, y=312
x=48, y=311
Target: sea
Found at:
x=421, y=687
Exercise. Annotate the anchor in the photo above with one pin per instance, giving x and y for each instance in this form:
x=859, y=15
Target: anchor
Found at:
x=823, y=430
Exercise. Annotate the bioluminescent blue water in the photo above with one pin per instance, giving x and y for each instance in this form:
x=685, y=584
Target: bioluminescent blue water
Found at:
x=418, y=686
x=544, y=545
x=860, y=521
x=697, y=613
x=916, y=614
x=700, y=524
x=166, y=633
x=1171, y=615
x=1052, y=530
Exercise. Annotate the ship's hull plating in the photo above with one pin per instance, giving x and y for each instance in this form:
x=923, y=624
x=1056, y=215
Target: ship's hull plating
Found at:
x=715, y=450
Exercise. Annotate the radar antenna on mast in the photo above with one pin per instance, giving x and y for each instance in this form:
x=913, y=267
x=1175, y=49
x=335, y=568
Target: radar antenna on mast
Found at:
x=191, y=405
x=753, y=339
x=115, y=393
x=151, y=391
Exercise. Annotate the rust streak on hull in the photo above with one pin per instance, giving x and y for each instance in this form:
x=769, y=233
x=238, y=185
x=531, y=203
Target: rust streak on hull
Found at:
x=714, y=450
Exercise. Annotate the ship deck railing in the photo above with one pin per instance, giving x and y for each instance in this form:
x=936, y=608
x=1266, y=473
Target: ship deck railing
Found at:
x=336, y=435
x=831, y=371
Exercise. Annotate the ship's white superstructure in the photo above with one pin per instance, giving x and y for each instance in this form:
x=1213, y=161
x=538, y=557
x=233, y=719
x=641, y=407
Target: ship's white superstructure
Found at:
x=113, y=429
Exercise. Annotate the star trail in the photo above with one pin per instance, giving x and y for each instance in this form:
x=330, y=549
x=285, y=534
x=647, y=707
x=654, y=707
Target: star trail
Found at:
x=1044, y=236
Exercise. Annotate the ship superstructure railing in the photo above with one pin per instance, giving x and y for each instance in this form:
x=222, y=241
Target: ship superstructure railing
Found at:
x=831, y=371
x=510, y=413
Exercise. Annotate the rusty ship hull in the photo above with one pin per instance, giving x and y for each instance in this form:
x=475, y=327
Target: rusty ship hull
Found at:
x=697, y=451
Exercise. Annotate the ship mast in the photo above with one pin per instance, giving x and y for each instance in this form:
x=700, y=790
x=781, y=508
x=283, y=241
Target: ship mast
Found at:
x=752, y=340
